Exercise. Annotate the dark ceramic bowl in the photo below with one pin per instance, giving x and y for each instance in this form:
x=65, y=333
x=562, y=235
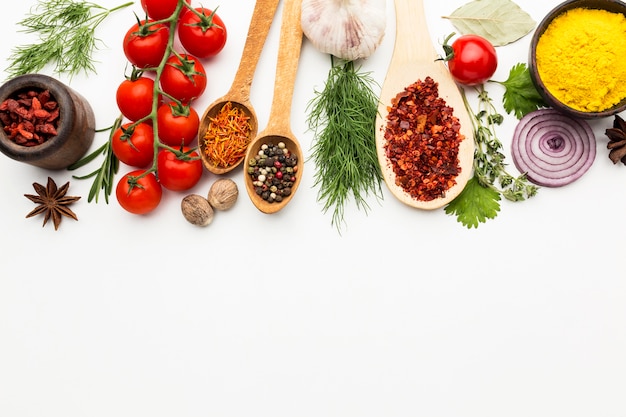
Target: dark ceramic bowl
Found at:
x=75, y=128
x=614, y=6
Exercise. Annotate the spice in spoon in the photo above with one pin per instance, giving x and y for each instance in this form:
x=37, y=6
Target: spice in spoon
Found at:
x=227, y=136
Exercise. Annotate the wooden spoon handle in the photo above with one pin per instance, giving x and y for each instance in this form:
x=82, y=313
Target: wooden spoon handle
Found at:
x=262, y=17
x=286, y=65
x=413, y=42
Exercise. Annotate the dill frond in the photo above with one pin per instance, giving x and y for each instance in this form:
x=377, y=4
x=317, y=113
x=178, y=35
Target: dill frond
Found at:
x=66, y=31
x=342, y=117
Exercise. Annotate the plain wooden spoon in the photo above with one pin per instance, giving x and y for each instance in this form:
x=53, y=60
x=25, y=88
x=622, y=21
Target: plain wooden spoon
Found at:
x=239, y=93
x=278, y=127
x=414, y=58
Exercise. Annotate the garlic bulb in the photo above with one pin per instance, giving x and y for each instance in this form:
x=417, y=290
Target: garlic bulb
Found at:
x=347, y=29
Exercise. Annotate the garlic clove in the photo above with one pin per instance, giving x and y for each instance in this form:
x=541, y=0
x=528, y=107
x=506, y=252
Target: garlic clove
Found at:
x=346, y=29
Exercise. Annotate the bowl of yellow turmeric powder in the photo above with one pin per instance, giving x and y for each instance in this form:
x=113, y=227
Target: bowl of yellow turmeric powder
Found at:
x=576, y=58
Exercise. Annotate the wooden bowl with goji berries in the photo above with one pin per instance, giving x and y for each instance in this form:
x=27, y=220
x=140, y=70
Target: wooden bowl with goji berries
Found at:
x=44, y=122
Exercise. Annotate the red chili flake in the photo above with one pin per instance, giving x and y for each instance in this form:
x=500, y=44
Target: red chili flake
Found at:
x=422, y=141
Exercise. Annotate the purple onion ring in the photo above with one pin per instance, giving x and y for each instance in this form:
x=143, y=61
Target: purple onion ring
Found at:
x=553, y=149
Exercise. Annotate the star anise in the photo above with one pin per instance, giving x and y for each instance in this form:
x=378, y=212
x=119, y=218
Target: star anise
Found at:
x=52, y=202
x=617, y=140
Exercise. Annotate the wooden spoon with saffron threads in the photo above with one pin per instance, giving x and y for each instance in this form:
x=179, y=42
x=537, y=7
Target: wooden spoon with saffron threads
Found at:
x=239, y=93
x=278, y=127
x=414, y=58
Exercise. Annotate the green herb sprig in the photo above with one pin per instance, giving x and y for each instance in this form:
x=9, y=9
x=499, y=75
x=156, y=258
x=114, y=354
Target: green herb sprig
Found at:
x=521, y=96
x=480, y=199
x=67, y=38
x=104, y=175
x=342, y=117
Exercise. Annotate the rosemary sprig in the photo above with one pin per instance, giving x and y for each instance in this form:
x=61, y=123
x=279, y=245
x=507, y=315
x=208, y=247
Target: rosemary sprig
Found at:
x=67, y=39
x=342, y=117
x=480, y=198
x=104, y=175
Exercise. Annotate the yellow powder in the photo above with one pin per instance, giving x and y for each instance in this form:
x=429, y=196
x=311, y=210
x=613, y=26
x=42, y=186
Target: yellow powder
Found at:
x=580, y=58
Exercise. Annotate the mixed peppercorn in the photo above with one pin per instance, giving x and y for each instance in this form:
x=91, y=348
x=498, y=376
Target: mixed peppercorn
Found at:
x=273, y=171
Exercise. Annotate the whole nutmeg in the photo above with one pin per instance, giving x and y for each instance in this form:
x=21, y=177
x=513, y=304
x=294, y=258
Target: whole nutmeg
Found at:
x=223, y=194
x=197, y=210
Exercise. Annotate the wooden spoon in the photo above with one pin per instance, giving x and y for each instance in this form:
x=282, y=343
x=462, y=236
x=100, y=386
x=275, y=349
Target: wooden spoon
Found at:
x=413, y=59
x=279, y=124
x=239, y=93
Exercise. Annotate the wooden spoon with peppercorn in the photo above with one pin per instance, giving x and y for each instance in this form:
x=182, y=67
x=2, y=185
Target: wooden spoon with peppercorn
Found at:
x=282, y=170
x=237, y=99
x=419, y=173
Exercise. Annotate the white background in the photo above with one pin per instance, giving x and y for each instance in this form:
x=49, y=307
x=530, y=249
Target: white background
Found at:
x=406, y=313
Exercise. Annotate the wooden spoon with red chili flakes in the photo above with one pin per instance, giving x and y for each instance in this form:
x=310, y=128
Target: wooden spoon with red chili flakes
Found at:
x=424, y=136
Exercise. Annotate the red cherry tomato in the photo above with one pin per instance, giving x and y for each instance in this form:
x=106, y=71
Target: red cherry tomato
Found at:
x=134, y=97
x=184, y=79
x=159, y=9
x=178, y=125
x=473, y=60
x=179, y=173
x=145, y=44
x=134, y=145
x=138, y=195
x=202, y=33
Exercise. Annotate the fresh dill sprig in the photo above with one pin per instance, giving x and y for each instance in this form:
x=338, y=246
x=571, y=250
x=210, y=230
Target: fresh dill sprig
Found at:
x=105, y=175
x=342, y=117
x=67, y=40
x=480, y=198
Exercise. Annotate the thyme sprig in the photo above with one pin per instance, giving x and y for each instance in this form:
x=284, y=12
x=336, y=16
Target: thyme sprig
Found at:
x=342, y=117
x=491, y=179
x=67, y=39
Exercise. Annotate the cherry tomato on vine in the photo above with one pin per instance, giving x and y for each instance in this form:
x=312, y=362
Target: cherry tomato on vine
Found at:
x=134, y=97
x=179, y=173
x=145, y=43
x=159, y=9
x=178, y=125
x=202, y=32
x=183, y=77
x=134, y=145
x=471, y=59
x=139, y=195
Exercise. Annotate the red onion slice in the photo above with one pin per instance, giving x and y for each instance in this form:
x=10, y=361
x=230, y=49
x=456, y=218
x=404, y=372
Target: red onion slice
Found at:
x=552, y=148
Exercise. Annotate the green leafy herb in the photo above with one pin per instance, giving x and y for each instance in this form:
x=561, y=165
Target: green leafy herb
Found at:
x=66, y=30
x=499, y=21
x=475, y=206
x=521, y=95
x=105, y=175
x=342, y=117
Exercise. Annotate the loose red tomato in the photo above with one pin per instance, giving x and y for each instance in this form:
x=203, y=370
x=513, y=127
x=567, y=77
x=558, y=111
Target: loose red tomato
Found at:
x=134, y=145
x=471, y=59
x=159, y=9
x=145, y=43
x=179, y=172
x=178, y=125
x=139, y=195
x=202, y=32
x=134, y=97
x=183, y=77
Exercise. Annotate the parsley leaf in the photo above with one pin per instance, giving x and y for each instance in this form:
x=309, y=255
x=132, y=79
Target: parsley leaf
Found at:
x=521, y=95
x=475, y=204
x=480, y=199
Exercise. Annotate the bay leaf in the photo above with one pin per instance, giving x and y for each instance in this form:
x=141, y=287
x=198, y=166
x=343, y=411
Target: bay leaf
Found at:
x=499, y=21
